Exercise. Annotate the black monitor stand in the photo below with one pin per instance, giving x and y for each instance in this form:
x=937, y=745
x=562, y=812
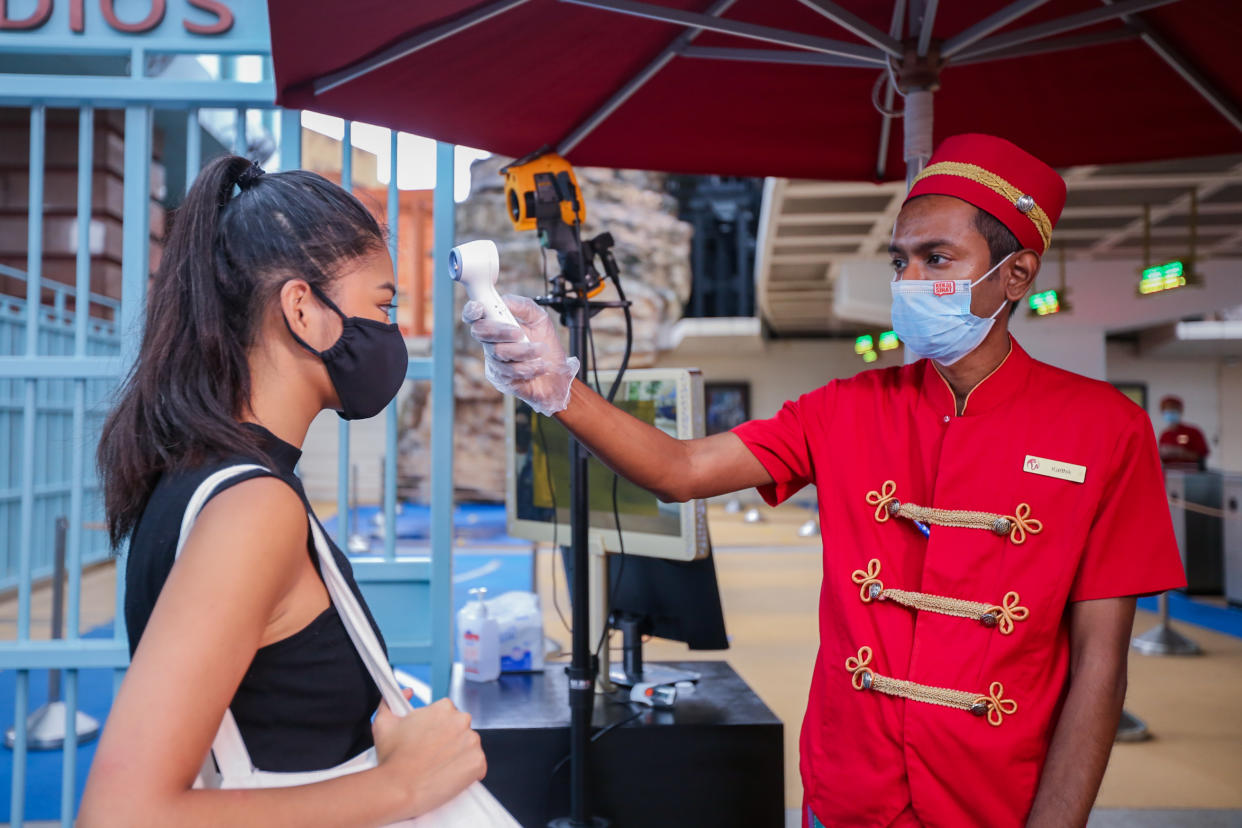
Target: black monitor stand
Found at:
x=631, y=670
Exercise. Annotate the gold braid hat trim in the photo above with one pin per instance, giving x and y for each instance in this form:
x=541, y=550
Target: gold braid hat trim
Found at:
x=1017, y=526
x=1002, y=615
x=993, y=704
x=996, y=184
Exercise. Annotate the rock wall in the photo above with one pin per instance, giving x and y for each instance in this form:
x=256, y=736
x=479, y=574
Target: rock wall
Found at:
x=653, y=253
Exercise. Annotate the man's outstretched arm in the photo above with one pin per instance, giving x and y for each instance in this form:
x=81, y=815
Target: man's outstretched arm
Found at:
x=529, y=362
x=675, y=470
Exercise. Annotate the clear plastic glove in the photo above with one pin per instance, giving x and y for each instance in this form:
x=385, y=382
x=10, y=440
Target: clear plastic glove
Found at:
x=536, y=372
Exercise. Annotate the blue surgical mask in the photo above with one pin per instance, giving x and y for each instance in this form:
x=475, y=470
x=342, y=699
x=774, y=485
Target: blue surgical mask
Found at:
x=933, y=319
x=1172, y=416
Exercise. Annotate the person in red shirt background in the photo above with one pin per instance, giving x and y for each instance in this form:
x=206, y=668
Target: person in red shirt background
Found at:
x=1182, y=446
x=987, y=520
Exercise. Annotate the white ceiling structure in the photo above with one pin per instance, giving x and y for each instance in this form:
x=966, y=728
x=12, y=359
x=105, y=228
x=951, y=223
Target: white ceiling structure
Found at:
x=809, y=228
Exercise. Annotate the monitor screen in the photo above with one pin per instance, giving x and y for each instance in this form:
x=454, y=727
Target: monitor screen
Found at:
x=537, y=469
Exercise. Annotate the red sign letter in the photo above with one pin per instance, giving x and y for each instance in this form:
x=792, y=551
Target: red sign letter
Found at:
x=224, y=18
x=41, y=13
x=148, y=23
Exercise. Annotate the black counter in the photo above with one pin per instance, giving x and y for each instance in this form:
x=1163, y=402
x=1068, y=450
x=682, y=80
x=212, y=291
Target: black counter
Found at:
x=716, y=759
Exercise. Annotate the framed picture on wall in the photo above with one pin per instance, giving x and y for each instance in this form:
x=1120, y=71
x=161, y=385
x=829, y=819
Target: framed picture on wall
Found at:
x=728, y=405
x=1136, y=391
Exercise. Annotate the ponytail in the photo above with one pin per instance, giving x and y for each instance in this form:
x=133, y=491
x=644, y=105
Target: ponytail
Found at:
x=224, y=261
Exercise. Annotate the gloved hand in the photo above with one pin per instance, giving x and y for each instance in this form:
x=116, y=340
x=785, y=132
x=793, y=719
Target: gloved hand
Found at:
x=536, y=372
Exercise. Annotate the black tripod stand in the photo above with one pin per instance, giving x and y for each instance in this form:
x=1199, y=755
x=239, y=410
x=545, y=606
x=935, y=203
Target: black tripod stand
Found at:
x=570, y=299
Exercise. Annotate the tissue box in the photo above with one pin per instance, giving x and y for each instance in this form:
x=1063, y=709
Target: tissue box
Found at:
x=520, y=623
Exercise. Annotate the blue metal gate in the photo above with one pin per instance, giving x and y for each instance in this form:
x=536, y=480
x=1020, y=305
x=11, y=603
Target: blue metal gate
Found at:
x=63, y=349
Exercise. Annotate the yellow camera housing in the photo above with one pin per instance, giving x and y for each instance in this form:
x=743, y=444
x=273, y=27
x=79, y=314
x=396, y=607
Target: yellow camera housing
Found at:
x=530, y=182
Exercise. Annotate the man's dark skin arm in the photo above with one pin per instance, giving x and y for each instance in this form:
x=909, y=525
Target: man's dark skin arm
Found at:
x=674, y=470
x=1083, y=738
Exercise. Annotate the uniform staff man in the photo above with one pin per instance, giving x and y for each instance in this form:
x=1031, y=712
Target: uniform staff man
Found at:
x=1182, y=446
x=987, y=521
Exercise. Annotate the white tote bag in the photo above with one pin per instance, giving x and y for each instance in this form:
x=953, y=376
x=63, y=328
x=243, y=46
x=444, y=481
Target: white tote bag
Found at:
x=473, y=808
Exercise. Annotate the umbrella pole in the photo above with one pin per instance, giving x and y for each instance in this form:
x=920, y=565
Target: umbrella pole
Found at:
x=917, y=132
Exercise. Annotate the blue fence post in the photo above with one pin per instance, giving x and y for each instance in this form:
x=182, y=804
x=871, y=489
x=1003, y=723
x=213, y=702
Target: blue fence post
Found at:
x=135, y=248
x=342, y=429
x=193, y=148
x=34, y=290
x=81, y=311
x=444, y=320
x=390, y=415
x=290, y=139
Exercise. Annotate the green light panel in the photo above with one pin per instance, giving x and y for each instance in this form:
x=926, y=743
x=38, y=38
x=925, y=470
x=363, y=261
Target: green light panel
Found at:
x=1045, y=303
x=1162, y=277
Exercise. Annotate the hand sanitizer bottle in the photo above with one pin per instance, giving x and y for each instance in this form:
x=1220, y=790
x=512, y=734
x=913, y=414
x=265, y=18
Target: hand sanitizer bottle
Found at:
x=478, y=638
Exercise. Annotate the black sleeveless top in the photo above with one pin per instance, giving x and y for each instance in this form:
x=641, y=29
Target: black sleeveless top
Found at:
x=305, y=703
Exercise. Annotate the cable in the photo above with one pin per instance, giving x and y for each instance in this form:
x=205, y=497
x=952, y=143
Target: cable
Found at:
x=601, y=733
x=556, y=548
x=612, y=596
x=629, y=338
x=875, y=95
x=594, y=361
x=612, y=392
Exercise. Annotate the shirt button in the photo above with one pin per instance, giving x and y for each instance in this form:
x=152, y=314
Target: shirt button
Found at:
x=946, y=418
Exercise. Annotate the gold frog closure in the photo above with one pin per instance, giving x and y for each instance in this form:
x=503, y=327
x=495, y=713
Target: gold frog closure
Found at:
x=1001, y=616
x=993, y=704
x=1017, y=526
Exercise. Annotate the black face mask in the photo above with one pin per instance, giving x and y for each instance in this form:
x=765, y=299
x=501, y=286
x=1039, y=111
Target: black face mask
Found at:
x=366, y=365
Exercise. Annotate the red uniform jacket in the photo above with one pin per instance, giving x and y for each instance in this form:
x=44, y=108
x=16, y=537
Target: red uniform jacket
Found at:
x=1183, y=446
x=1095, y=524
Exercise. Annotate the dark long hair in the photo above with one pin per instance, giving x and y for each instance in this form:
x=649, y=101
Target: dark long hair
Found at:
x=224, y=261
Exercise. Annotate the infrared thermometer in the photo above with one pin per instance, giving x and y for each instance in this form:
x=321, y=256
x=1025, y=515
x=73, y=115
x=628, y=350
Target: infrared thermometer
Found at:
x=475, y=265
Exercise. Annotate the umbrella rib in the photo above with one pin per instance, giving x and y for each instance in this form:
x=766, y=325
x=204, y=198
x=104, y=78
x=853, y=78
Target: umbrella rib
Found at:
x=1061, y=25
x=1221, y=102
x=753, y=31
x=798, y=58
x=925, y=33
x=1056, y=44
x=886, y=123
x=409, y=45
x=987, y=25
x=672, y=50
x=855, y=25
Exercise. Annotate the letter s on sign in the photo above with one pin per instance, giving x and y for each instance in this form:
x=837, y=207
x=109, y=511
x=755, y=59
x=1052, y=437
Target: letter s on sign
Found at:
x=224, y=18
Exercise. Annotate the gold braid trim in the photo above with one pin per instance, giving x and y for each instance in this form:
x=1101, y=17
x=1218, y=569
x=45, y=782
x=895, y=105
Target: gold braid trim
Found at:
x=1002, y=615
x=993, y=704
x=997, y=185
x=1017, y=526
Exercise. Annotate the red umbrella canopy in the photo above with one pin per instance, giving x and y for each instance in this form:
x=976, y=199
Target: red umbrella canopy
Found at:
x=790, y=88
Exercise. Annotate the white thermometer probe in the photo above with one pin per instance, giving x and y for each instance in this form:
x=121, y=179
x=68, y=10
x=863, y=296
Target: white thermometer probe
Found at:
x=475, y=265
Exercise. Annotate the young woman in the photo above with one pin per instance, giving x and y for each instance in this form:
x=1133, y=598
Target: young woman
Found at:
x=270, y=305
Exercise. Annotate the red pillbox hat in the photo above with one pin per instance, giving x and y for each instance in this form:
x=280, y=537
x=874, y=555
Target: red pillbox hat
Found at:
x=1022, y=192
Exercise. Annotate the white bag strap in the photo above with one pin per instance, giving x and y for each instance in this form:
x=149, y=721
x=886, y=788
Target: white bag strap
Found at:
x=229, y=750
x=357, y=625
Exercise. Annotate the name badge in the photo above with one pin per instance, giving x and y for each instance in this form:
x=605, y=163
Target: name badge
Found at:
x=1054, y=468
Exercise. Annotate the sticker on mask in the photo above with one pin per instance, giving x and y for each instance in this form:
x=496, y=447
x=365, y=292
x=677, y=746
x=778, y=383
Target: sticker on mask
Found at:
x=1054, y=468
x=944, y=288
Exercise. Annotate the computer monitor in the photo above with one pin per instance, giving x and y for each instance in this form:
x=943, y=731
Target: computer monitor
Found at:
x=676, y=600
x=537, y=472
